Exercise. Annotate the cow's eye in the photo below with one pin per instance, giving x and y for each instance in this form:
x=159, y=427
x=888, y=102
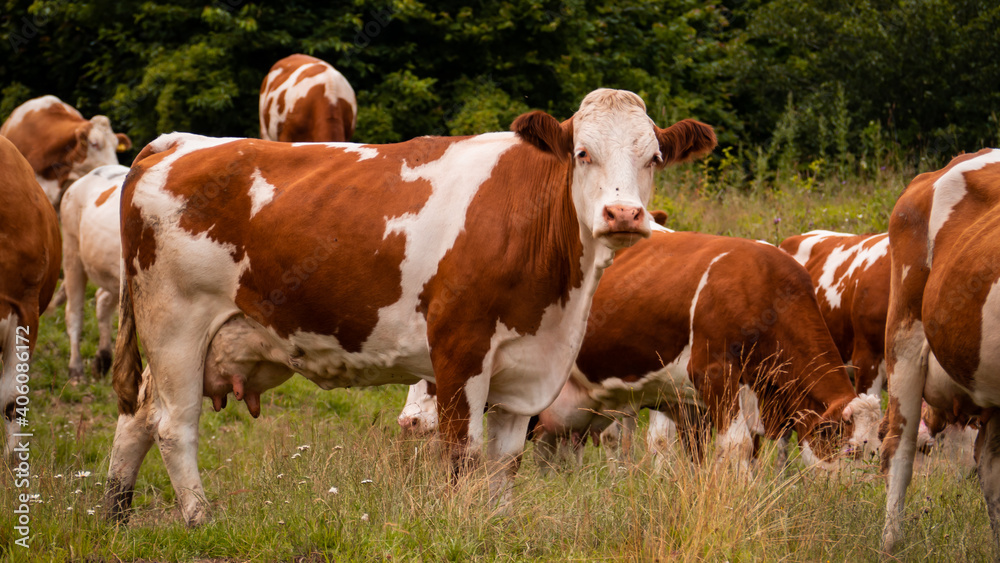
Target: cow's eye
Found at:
x=656, y=160
x=583, y=155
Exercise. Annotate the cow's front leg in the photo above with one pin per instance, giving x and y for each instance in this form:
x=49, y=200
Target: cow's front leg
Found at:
x=461, y=405
x=507, y=432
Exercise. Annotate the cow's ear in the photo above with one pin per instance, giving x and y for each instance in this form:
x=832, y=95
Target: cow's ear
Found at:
x=77, y=148
x=659, y=216
x=685, y=140
x=124, y=143
x=545, y=132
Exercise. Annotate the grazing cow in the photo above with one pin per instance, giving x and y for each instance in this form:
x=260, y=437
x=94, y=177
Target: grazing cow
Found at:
x=304, y=99
x=943, y=321
x=60, y=145
x=466, y=261
x=851, y=277
x=850, y=274
x=29, y=264
x=686, y=322
x=92, y=250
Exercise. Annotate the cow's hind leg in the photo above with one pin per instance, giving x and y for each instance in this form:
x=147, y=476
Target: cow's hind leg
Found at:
x=178, y=395
x=133, y=438
x=988, y=466
x=107, y=302
x=74, y=288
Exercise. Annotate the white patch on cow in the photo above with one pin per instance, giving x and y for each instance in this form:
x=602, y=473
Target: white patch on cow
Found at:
x=811, y=460
x=261, y=192
x=402, y=330
x=661, y=437
x=876, y=387
x=861, y=258
x=950, y=189
x=985, y=384
x=810, y=240
x=364, y=152
x=656, y=227
x=906, y=270
x=185, y=264
x=52, y=189
x=736, y=443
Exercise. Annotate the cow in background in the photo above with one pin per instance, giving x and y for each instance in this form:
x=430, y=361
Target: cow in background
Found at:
x=92, y=250
x=59, y=144
x=689, y=323
x=304, y=99
x=29, y=269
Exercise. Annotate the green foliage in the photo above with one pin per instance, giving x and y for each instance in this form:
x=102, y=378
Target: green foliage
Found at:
x=857, y=85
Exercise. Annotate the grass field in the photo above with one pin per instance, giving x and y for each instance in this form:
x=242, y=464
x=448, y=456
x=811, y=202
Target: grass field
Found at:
x=269, y=480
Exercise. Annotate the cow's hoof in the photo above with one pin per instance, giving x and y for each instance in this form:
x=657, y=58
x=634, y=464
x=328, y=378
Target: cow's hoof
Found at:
x=75, y=375
x=102, y=363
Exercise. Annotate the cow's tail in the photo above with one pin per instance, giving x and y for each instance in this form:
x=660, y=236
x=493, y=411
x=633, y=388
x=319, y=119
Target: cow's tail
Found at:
x=127, y=368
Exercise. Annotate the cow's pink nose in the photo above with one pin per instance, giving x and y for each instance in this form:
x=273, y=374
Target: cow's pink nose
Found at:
x=623, y=218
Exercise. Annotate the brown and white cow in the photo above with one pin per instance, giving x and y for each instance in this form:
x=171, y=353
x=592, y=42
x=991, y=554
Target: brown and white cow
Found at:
x=467, y=261
x=944, y=321
x=304, y=99
x=686, y=322
x=60, y=145
x=92, y=250
x=29, y=269
x=851, y=277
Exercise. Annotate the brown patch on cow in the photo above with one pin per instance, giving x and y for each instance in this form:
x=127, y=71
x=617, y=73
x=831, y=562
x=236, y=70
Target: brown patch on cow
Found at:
x=104, y=196
x=893, y=432
x=50, y=140
x=313, y=118
x=281, y=102
x=302, y=273
x=312, y=70
x=32, y=256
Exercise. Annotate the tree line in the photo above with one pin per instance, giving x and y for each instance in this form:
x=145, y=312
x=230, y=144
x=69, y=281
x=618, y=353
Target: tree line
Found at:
x=789, y=82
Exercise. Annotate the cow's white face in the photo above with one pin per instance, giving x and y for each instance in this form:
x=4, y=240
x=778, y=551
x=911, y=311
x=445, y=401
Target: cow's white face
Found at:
x=615, y=154
x=419, y=415
x=102, y=147
x=615, y=150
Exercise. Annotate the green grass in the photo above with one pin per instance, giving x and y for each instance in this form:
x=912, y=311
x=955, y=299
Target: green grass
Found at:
x=270, y=500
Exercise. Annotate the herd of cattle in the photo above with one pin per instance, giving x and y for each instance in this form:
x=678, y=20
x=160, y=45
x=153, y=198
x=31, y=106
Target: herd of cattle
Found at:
x=471, y=265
